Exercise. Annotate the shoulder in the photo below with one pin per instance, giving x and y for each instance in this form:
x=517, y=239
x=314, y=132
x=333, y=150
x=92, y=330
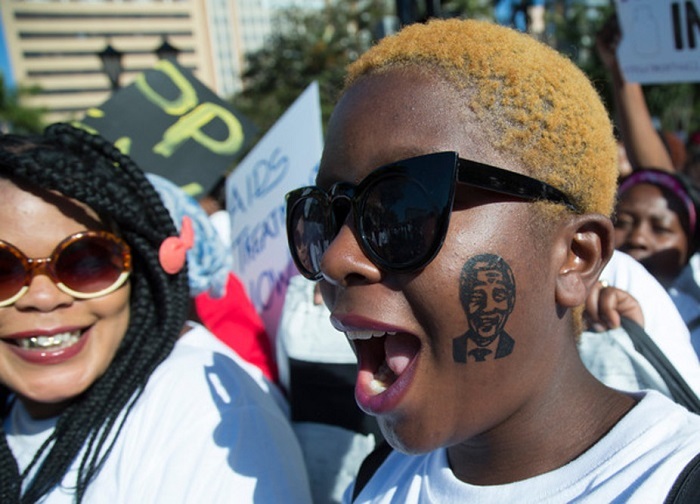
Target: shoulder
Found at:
x=204, y=430
x=649, y=447
x=640, y=458
x=202, y=372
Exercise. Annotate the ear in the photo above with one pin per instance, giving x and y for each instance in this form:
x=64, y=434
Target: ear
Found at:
x=588, y=240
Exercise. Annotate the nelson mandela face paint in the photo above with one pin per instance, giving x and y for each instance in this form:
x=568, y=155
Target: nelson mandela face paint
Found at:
x=487, y=292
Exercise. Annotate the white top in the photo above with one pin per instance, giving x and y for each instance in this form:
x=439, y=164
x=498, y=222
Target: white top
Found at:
x=203, y=431
x=221, y=220
x=685, y=292
x=636, y=462
x=611, y=357
x=662, y=321
x=201, y=337
x=333, y=454
x=305, y=331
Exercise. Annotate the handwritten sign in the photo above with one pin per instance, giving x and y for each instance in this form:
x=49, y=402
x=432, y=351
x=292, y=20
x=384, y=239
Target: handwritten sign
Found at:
x=173, y=125
x=287, y=157
x=660, y=40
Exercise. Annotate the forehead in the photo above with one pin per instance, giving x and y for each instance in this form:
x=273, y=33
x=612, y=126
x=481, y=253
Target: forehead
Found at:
x=395, y=115
x=489, y=275
x=651, y=201
x=39, y=212
x=648, y=195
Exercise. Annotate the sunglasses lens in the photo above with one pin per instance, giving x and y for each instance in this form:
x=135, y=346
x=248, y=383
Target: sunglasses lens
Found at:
x=400, y=222
x=90, y=264
x=308, y=225
x=12, y=274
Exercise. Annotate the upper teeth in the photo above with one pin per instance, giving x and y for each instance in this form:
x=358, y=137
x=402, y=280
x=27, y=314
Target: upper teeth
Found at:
x=364, y=335
x=55, y=340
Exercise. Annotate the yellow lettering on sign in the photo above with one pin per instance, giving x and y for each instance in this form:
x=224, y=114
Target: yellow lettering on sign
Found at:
x=190, y=127
x=177, y=106
x=194, y=189
x=95, y=112
x=124, y=145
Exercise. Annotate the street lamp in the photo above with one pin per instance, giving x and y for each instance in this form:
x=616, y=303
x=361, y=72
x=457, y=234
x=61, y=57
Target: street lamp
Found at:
x=112, y=64
x=112, y=60
x=166, y=51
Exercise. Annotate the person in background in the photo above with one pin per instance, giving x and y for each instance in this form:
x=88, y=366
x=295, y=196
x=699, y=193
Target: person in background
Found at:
x=692, y=166
x=607, y=349
x=644, y=145
x=656, y=223
x=103, y=398
x=656, y=216
x=317, y=370
x=225, y=309
x=214, y=204
x=219, y=301
x=459, y=139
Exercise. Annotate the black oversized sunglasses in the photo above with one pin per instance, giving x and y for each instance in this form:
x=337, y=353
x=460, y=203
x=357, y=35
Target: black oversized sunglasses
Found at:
x=400, y=211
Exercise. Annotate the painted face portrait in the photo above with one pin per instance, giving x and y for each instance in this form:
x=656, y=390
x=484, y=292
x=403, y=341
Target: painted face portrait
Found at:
x=488, y=295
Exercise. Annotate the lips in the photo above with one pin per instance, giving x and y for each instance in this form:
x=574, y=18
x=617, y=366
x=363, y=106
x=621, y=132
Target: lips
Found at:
x=386, y=361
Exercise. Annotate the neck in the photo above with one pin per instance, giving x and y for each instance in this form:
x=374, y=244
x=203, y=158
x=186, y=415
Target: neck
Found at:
x=544, y=434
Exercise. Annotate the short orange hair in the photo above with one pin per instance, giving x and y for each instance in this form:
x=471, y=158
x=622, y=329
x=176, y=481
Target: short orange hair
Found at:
x=534, y=103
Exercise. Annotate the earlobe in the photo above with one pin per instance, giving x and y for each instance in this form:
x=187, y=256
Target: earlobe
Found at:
x=590, y=246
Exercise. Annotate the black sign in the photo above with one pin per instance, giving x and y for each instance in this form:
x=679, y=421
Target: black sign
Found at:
x=173, y=125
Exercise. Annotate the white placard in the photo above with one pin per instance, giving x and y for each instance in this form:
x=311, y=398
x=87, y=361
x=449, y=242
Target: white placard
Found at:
x=660, y=40
x=287, y=157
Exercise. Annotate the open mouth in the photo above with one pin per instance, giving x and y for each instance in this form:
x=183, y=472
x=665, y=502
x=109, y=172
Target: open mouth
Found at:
x=386, y=355
x=57, y=341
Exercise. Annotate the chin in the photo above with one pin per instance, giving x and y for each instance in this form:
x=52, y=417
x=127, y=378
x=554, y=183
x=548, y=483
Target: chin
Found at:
x=411, y=440
x=62, y=389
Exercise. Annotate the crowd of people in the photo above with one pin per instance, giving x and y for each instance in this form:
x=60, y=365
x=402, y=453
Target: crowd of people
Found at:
x=491, y=353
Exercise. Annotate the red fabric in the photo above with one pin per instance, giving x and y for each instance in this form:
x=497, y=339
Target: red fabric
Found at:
x=234, y=320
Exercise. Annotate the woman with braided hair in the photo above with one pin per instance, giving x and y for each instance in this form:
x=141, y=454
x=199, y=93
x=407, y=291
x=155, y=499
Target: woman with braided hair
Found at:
x=103, y=398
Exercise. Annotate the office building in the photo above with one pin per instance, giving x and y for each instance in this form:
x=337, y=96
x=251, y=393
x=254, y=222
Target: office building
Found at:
x=54, y=44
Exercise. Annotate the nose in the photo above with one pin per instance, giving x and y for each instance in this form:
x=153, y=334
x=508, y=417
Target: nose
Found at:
x=638, y=236
x=491, y=305
x=344, y=263
x=43, y=295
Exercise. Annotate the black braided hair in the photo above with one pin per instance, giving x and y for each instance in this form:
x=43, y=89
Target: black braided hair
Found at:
x=89, y=169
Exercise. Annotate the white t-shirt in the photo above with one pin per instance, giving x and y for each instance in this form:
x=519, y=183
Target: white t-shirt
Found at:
x=221, y=221
x=333, y=454
x=662, y=321
x=203, y=431
x=685, y=292
x=636, y=462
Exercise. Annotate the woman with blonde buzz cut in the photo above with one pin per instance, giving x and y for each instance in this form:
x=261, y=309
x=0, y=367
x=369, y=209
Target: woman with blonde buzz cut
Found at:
x=460, y=219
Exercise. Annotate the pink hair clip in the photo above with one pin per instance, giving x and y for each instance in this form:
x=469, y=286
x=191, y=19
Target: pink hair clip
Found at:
x=173, y=250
